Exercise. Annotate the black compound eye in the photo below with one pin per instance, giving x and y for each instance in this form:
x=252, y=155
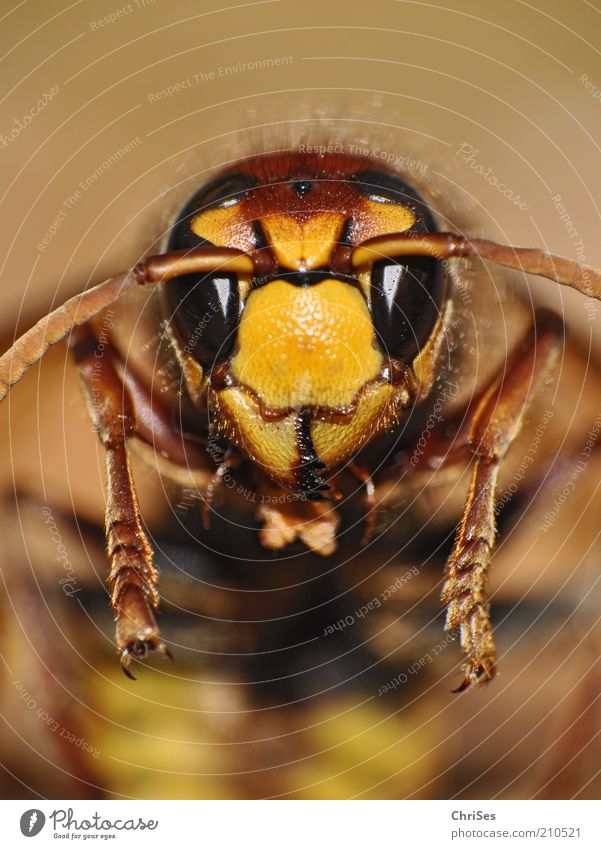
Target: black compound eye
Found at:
x=406, y=300
x=224, y=191
x=205, y=313
x=205, y=309
x=407, y=297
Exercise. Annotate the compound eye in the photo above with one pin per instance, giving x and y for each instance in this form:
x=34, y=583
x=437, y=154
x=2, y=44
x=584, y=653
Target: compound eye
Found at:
x=205, y=312
x=406, y=299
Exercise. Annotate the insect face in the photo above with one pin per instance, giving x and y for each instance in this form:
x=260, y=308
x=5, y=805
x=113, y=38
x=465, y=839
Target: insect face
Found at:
x=307, y=307
x=301, y=367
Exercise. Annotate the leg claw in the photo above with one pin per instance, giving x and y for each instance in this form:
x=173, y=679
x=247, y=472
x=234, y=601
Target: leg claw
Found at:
x=473, y=673
x=139, y=649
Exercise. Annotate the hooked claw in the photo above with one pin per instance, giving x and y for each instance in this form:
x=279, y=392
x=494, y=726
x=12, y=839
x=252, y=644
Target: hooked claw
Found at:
x=483, y=674
x=139, y=649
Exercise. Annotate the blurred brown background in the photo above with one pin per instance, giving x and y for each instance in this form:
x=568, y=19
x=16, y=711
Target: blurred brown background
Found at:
x=143, y=99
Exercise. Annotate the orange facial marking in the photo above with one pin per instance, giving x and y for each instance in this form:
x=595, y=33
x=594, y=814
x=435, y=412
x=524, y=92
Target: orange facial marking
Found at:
x=311, y=346
x=224, y=227
x=424, y=365
x=376, y=218
x=272, y=444
x=377, y=409
x=299, y=244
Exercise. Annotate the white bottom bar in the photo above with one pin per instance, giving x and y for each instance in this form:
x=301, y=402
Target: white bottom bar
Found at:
x=301, y=825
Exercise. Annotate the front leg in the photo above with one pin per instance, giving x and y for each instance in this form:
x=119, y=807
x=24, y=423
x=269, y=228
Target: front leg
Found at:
x=132, y=578
x=496, y=422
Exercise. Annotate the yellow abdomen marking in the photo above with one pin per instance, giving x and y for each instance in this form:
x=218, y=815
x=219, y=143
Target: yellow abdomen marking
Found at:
x=306, y=346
